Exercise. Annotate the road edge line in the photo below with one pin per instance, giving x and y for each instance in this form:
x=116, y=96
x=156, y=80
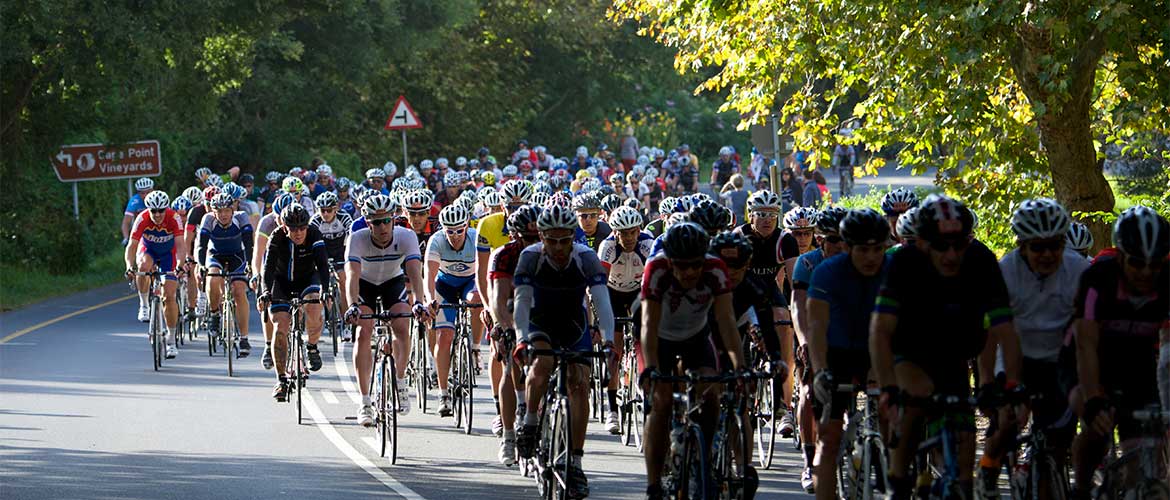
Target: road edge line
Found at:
x=63, y=317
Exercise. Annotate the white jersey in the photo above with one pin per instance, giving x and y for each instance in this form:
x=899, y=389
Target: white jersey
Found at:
x=625, y=268
x=458, y=263
x=380, y=265
x=1042, y=307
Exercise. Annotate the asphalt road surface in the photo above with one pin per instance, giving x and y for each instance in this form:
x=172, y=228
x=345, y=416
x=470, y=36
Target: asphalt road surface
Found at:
x=84, y=415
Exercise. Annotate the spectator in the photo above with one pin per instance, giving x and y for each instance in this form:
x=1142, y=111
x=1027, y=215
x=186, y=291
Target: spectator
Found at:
x=823, y=187
x=734, y=196
x=810, y=194
x=791, y=185
x=629, y=148
x=757, y=168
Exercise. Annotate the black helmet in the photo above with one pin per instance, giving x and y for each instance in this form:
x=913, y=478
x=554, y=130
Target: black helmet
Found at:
x=295, y=215
x=586, y=201
x=710, y=215
x=864, y=227
x=247, y=179
x=828, y=220
x=523, y=217
x=734, y=248
x=1141, y=232
x=685, y=240
x=484, y=151
x=942, y=217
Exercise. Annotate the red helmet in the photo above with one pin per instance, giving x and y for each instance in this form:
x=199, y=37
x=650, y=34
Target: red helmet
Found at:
x=209, y=192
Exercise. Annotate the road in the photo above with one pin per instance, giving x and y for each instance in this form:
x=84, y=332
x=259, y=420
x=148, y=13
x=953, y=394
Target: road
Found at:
x=83, y=415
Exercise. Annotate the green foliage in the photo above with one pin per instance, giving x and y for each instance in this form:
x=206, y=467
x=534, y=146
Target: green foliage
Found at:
x=21, y=285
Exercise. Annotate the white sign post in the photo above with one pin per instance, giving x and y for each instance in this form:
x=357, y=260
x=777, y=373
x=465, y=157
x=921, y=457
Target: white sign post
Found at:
x=402, y=118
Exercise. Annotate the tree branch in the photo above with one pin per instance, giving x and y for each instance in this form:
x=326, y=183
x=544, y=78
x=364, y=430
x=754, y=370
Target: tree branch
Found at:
x=1084, y=65
x=1021, y=57
x=14, y=111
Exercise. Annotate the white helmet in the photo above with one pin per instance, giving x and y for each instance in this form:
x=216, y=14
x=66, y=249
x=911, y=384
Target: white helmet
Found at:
x=517, y=189
x=143, y=184
x=389, y=168
x=800, y=218
x=510, y=171
x=460, y=162
x=724, y=151
x=324, y=169
x=763, y=199
x=493, y=198
x=643, y=160
x=1079, y=237
x=375, y=173
x=1040, y=218
x=425, y=164
x=417, y=199
x=582, y=151
x=648, y=179
x=905, y=225
x=157, y=200
x=326, y=200
x=624, y=218
x=377, y=203
x=453, y=215
x=652, y=172
x=556, y=217
x=441, y=162
x=539, y=199
x=638, y=170
x=194, y=194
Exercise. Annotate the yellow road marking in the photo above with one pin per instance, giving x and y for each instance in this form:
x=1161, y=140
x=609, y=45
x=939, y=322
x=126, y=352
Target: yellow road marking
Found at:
x=63, y=318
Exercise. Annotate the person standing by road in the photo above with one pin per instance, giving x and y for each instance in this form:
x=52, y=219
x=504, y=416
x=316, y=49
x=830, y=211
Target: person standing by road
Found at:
x=629, y=148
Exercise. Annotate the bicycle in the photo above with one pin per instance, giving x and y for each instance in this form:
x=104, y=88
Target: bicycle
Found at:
x=228, y=335
x=937, y=458
x=553, y=454
x=418, y=365
x=156, y=326
x=1031, y=464
x=767, y=404
x=384, y=380
x=862, y=458
x=728, y=444
x=1140, y=471
x=631, y=414
x=181, y=301
x=333, y=313
x=461, y=380
x=687, y=471
x=296, y=368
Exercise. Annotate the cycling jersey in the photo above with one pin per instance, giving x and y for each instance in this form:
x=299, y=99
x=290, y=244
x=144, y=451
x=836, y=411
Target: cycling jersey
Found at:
x=350, y=208
x=492, y=233
x=684, y=311
x=453, y=263
x=625, y=268
x=267, y=224
x=803, y=270
x=195, y=217
x=333, y=233
x=594, y=240
x=233, y=239
x=502, y=263
x=156, y=239
x=381, y=264
x=429, y=230
x=1042, y=307
x=754, y=307
x=135, y=206
x=850, y=296
x=766, y=261
x=551, y=300
x=656, y=227
x=359, y=223
x=292, y=270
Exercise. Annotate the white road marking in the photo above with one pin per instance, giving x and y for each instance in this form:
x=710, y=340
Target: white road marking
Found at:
x=354, y=455
x=339, y=362
x=329, y=397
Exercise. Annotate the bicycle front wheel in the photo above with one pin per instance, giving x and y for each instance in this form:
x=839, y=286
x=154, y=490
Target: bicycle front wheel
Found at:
x=466, y=382
x=156, y=341
x=299, y=370
x=767, y=421
x=384, y=411
x=560, y=453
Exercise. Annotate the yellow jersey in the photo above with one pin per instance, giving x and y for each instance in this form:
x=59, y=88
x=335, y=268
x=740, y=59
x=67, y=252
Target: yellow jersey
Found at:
x=492, y=233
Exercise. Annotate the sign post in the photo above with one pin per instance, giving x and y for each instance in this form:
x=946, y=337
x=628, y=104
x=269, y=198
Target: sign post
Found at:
x=96, y=162
x=403, y=117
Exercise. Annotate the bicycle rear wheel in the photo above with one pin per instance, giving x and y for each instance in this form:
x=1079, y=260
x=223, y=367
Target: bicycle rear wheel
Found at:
x=156, y=342
x=299, y=370
x=384, y=399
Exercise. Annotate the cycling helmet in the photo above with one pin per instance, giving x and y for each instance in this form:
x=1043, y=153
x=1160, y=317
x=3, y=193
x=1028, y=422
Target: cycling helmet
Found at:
x=194, y=195
x=181, y=204
x=586, y=201
x=442, y=162
x=697, y=197
x=294, y=215
x=863, y=227
x=561, y=198
x=1079, y=237
x=648, y=180
x=633, y=203
x=1141, y=232
x=493, y=198
x=683, y=205
x=489, y=178
x=222, y=200
x=375, y=173
x=898, y=201
x=157, y=200
x=523, y=218
x=676, y=218
x=237, y=191
x=541, y=187
x=451, y=179
x=273, y=176
x=209, y=193
x=460, y=161
x=556, y=217
x=462, y=177
x=652, y=172
x=214, y=180
x=582, y=151
x=732, y=247
x=247, y=179
x=326, y=200
x=324, y=169
x=292, y=184
x=725, y=151
x=310, y=177
x=377, y=203
x=625, y=218
x=296, y=172
x=539, y=199
x=1039, y=218
x=763, y=199
x=400, y=184
x=202, y=173
x=638, y=170
x=510, y=171
x=905, y=224
x=517, y=189
x=281, y=201
x=941, y=216
x=610, y=202
x=829, y=220
x=799, y=218
x=389, y=168
x=643, y=160
x=685, y=240
x=143, y=184
x=343, y=184
x=710, y=215
x=426, y=165
x=590, y=185
x=455, y=214
x=666, y=206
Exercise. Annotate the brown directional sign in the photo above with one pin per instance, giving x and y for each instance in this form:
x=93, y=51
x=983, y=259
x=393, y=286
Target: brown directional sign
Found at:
x=95, y=162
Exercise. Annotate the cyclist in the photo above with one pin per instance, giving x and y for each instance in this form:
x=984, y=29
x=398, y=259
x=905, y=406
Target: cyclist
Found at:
x=894, y=204
x=551, y=282
x=591, y=230
x=680, y=288
x=295, y=265
x=333, y=224
x=268, y=194
x=156, y=241
x=191, y=236
x=450, y=278
x=841, y=292
x=904, y=229
x=492, y=233
x=1080, y=238
x=380, y=260
x=264, y=229
x=623, y=255
x=827, y=233
x=135, y=206
x=225, y=242
x=949, y=282
x=765, y=271
x=1122, y=302
x=658, y=226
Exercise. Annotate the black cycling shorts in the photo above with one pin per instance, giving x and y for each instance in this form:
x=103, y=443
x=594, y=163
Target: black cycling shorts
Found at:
x=284, y=291
x=696, y=352
x=390, y=292
x=949, y=376
x=847, y=367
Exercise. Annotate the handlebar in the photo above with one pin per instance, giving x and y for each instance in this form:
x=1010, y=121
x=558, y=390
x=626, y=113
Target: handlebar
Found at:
x=385, y=316
x=568, y=354
x=462, y=305
x=692, y=377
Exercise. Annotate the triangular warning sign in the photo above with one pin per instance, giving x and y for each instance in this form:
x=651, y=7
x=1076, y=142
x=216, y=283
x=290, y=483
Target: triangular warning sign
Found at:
x=403, y=116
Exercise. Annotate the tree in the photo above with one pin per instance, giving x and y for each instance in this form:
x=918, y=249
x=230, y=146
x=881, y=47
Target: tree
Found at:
x=985, y=89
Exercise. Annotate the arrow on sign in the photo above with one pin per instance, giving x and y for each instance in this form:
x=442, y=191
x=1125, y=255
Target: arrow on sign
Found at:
x=403, y=116
x=65, y=159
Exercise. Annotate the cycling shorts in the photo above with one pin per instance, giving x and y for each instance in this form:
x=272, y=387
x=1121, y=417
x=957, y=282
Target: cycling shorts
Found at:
x=450, y=290
x=623, y=302
x=163, y=261
x=949, y=376
x=848, y=367
x=582, y=342
x=696, y=352
x=283, y=291
x=391, y=292
x=230, y=263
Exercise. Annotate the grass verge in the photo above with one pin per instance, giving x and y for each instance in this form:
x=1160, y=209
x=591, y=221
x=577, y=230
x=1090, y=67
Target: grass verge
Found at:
x=20, y=285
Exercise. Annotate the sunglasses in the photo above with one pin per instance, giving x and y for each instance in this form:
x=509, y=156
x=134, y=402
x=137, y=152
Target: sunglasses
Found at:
x=298, y=228
x=328, y=210
x=687, y=265
x=766, y=215
x=959, y=245
x=455, y=232
x=558, y=241
x=1140, y=263
x=418, y=213
x=530, y=238
x=832, y=239
x=588, y=215
x=1046, y=246
x=158, y=210
x=633, y=231
x=379, y=222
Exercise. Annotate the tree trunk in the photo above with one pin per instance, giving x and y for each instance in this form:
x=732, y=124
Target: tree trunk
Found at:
x=1076, y=174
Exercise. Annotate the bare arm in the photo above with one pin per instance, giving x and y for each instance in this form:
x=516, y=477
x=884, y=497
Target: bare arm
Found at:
x=483, y=284
x=725, y=319
x=258, y=250
x=800, y=314
x=818, y=331
x=432, y=274
x=126, y=221
x=651, y=310
x=1004, y=335
x=414, y=274
x=353, y=275
x=131, y=250
x=501, y=292
x=881, y=355
x=1088, y=365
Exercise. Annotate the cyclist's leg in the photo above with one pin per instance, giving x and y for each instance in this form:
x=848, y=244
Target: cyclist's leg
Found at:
x=804, y=408
x=476, y=322
x=142, y=283
x=280, y=348
x=444, y=331
x=786, y=350
x=654, y=439
x=401, y=328
x=536, y=383
x=579, y=393
x=363, y=359
x=913, y=381
x=313, y=312
x=845, y=366
x=214, y=283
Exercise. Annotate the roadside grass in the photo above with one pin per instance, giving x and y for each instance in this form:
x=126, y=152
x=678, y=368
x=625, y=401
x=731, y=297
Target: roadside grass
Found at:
x=20, y=285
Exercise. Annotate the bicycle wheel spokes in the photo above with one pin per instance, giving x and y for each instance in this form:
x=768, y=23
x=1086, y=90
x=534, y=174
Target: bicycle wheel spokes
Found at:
x=391, y=372
x=384, y=399
x=467, y=382
x=560, y=452
x=766, y=423
x=299, y=367
x=152, y=330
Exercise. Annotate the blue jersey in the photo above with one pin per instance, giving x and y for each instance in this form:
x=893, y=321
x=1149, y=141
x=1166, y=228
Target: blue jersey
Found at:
x=135, y=205
x=850, y=297
x=803, y=270
x=559, y=294
x=455, y=266
x=358, y=224
x=348, y=207
x=234, y=238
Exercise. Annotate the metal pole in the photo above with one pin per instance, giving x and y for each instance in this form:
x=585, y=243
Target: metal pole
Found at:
x=76, y=213
x=773, y=178
x=405, y=162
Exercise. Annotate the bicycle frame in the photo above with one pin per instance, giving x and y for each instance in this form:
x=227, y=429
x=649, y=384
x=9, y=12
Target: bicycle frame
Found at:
x=384, y=379
x=556, y=442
